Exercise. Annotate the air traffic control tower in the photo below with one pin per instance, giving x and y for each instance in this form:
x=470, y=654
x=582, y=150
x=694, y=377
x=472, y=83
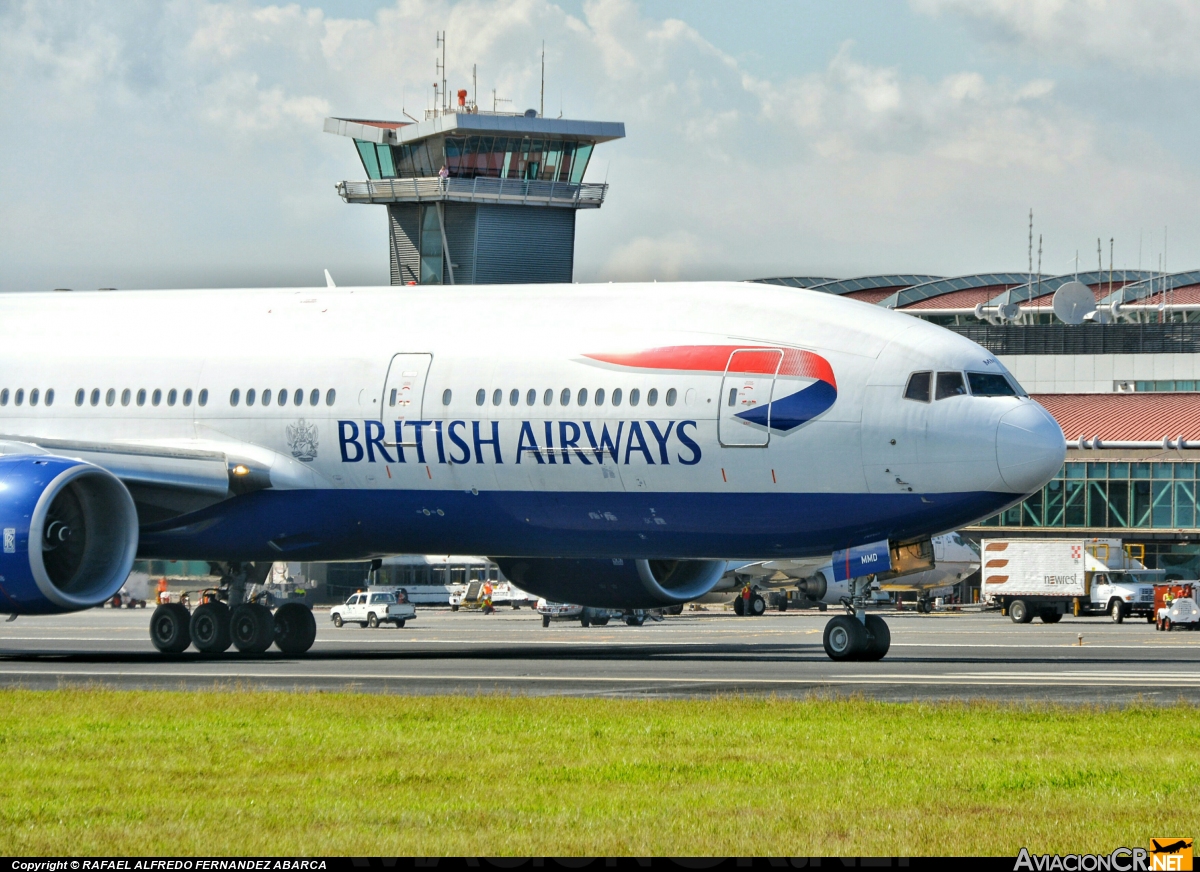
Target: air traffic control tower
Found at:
x=504, y=209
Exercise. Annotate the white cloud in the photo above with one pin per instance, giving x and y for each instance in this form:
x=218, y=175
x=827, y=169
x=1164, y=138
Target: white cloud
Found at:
x=1158, y=37
x=182, y=144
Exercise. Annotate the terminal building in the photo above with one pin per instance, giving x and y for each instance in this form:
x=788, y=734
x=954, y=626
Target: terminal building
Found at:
x=1124, y=386
x=477, y=197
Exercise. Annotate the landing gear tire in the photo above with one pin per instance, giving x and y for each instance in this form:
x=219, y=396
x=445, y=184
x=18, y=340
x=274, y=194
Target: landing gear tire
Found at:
x=739, y=607
x=1117, y=612
x=634, y=621
x=758, y=605
x=545, y=620
x=601, y=622
x=585, y=621
x=252, y=628
x=337, y=620
x=881, y=638
x=170, y=628
x=845, y=638
x=295, y=629
x=1019, y=612
x=783, y=605
x=372, y=621
x=209, y=628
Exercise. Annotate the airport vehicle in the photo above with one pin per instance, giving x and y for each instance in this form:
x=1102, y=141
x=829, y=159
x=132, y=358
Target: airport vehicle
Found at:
x=1182, y=611
x=809, y=583
x=503, y=593
x=374, y=607
x=586, y=615
x=1048, y=578
x=610, y=444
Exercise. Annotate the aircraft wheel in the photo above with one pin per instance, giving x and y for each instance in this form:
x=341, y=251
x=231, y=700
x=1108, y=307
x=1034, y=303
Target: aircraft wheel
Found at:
x=337, y=620
x=1019, y=612
x=295, y=628
x=634, y=621
x=585, y=621
x=881, y=638
x=1117, y=612
x=739, y=607
x=600, y=622
x=783, y=604
x=758, y=605
x=845, y=638
x=252, y=628
x=454, y=608
x=209, y=628
x=169, y=628
x=1050, y=617
x=545, y=620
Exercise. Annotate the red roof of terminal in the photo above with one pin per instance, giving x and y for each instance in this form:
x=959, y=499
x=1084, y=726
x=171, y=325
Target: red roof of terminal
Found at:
x=1125, y=417
x=965, y=299
x=874, y=295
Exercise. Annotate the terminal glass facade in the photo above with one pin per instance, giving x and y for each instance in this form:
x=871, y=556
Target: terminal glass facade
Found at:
x=1110, y=495
x=468, y=157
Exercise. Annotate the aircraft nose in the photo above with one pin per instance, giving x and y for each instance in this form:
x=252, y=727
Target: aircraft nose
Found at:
x=1030, y=447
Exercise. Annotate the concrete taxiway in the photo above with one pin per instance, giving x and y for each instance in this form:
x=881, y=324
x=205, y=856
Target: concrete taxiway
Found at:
x=939, y=656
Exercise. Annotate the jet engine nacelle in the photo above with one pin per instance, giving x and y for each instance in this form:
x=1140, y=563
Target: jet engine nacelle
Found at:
x=70, y=533
x=821, y=587
x=614, y=584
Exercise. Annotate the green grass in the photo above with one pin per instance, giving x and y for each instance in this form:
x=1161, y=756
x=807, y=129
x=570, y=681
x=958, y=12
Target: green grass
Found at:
x=104, y=772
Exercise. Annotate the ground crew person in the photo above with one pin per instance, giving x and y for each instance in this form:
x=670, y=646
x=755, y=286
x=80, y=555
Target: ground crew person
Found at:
x=487, y=598
x=746, y=595
x=1168, y=598
x=162, y=590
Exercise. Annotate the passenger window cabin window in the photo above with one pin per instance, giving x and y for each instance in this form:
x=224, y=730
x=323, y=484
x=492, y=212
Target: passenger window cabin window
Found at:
x=4, y=397
x=141, y=396
x=599, y=400
x=564, y=399
x=990, y=384
x=548, y=397
x=530, y=397
x=234, y=397
x=514, y=397
x=33, y=397
x=616, y=397
x=480, y=396
x=202, y=397
x=446, y=396
x=282, y=397
x=95, y=396
x=950, y=384
x=671, y=395
x=79, y=395
x=918, y=387
x=156, y=397
x=110, y=396
x=172, y=395
x=314, y=397
x=187, y=397
x=19, y=396
x=330, y=397
x=49, y=396
x=297, y=397
x=652, y=396
x=251, y=394
x=581, y=397
x=126, y=396
x=497, y=396
x=266, y=397
x=634, y=396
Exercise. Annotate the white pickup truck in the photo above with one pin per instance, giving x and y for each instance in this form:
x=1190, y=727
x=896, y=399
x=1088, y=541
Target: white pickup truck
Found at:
x=374, y=607
x=1048, y=578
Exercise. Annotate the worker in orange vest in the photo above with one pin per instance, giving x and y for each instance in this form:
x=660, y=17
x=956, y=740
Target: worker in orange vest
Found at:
x=163, y=596
x=487, y=598
x=746, y=595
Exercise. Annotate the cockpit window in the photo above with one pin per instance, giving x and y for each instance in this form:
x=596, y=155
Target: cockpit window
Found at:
x=990, y=384
x=950, y=384
x=918, y=386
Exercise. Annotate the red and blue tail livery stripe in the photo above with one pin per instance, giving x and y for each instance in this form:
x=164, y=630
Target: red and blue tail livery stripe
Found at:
x=784, y=414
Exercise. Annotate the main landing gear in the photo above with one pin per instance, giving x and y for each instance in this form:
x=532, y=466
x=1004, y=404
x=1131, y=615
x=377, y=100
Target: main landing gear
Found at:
x=227, y=616
x=857, y=635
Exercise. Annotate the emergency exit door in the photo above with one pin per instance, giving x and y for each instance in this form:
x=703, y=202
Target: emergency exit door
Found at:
x=746, y=393
x=403, y=392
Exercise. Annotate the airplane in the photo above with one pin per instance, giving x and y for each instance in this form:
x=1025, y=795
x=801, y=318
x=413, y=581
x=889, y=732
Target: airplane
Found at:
x=610, y=444
x=954, y=558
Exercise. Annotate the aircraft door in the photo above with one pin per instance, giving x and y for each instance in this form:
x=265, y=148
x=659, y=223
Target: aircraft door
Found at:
x=404, y=390
x=746, y=391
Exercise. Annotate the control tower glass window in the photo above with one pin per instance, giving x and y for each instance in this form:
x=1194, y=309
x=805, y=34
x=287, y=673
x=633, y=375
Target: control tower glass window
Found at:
x=431, y=246
x=513, y=157
x=370, y=158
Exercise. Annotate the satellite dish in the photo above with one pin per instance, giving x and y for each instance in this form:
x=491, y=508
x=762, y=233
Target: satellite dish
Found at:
x=1073, y=302
x=531, y=113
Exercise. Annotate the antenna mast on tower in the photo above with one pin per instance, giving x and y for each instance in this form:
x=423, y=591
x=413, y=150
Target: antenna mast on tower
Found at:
x=542, y=99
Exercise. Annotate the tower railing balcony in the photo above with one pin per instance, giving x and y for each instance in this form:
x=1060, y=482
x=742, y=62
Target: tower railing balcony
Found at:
x=481, y=189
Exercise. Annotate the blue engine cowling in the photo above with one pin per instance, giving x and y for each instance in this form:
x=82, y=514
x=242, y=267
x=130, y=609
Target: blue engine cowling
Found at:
x=70, y=534
x=614, y=584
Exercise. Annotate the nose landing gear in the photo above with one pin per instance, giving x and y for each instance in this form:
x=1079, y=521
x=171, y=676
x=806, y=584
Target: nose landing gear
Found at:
x=857, y=635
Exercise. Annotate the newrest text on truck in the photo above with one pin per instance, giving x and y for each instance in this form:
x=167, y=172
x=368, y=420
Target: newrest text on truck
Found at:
x=1048, y=578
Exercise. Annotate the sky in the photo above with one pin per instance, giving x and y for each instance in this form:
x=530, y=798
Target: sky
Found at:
x=180, y=143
